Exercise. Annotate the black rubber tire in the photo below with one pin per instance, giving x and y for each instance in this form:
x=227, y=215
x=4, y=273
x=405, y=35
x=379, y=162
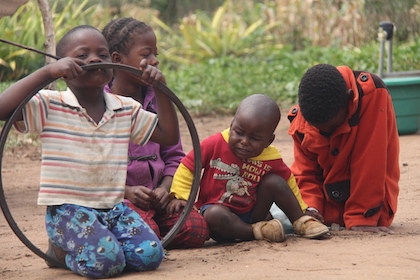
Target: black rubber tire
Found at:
x=195, y=141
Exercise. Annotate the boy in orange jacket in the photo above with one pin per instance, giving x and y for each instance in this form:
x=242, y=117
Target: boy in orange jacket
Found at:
x=346, y=148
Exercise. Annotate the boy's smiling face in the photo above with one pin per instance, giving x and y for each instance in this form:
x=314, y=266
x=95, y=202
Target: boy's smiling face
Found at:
x=90, y=46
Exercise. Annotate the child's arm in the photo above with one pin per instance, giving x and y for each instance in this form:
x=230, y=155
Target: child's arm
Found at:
x=295, y=189
x=182, y=183
x=167, y=130
x=172, y=156
x=16, y=93
x=180, y=189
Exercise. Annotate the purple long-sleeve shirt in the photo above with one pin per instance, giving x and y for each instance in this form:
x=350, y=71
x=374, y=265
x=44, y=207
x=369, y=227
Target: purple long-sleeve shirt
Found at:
x=148, y=164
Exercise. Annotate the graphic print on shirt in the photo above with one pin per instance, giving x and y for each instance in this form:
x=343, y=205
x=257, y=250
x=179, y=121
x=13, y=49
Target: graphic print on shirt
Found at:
x=235, y=183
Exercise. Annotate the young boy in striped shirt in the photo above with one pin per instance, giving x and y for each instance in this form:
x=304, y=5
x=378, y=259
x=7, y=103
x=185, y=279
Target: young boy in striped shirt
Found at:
x=85, y=134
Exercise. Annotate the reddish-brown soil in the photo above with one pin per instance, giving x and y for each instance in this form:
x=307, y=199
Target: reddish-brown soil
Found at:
x=346, y=255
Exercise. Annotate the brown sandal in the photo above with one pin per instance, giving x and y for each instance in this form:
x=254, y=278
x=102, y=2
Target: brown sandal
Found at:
x=309, y=227
x=269, y=230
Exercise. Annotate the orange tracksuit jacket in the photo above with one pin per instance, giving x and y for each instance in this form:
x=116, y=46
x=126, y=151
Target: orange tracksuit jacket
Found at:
x=351, y=177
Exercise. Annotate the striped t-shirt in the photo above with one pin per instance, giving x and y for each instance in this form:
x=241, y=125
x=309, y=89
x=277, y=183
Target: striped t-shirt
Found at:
x=84, y=163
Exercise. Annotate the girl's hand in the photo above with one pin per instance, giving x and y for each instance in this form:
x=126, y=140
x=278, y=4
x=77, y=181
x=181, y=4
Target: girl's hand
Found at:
x=162, y=199
x=140, y=196
x=151, y=75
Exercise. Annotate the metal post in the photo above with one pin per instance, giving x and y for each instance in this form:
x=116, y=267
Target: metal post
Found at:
x=381, y=39
x=389, y=66
x=386, y=31
x=381, y=55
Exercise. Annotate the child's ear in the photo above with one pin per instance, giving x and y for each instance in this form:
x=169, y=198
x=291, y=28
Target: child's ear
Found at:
x=350, y=94
x=116, y=57
x=271, y=140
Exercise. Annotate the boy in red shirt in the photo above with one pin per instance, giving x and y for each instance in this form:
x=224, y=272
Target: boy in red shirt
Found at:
x=243, y=175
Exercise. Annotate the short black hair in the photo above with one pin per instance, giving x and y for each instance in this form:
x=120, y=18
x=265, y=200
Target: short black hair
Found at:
x=322, y=93
x=261, y=106
x=61, y=47
x=118, y=33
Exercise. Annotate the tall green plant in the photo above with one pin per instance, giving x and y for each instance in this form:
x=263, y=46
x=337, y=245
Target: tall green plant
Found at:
x=225, y=33
x=25, y=27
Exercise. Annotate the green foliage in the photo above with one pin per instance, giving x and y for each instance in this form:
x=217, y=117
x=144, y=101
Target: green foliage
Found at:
x=224, y=34
x=25, y=27
x=213, y=60
x=217, y=85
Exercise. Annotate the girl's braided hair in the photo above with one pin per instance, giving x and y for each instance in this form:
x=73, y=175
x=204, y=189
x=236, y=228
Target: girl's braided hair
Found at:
x=118, y=33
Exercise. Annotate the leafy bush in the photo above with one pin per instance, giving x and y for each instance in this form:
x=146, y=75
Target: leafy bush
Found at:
x=217, y=85
x=22, y=27
x=212, y=61
x=200, y=37
x=26, y=28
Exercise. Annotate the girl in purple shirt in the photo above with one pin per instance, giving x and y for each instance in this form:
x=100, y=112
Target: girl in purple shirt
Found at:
x=150, y=167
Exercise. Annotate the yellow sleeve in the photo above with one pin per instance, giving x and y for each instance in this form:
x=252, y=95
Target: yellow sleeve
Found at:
x=182, y=182
x=293, y=185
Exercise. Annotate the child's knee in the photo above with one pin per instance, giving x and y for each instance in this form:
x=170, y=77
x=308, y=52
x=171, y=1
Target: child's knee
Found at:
x=218, y=216
x=195, y=231
x=146, y=256
x=273, y=182
x=96, y=267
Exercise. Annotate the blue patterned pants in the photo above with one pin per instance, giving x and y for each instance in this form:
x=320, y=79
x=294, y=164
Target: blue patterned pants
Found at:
x=102, y=243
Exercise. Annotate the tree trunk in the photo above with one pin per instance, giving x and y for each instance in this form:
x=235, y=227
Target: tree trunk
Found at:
x=49, y=44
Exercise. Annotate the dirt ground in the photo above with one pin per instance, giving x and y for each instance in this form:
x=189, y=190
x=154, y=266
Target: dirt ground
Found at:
x=346, y=255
